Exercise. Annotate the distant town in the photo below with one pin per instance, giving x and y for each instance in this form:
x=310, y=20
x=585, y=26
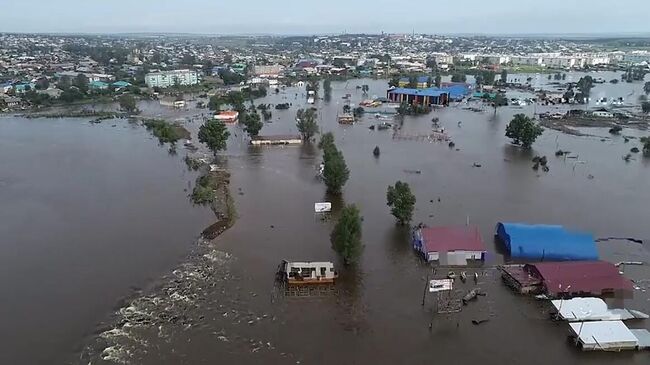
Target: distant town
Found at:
x=44, y=70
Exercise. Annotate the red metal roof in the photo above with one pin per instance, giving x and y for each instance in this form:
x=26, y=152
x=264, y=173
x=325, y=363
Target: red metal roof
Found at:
x=446, y=239
x=593, y=277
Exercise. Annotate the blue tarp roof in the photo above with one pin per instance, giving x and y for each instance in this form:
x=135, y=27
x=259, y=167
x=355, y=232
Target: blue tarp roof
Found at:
x=419, y=92
x=546, y=242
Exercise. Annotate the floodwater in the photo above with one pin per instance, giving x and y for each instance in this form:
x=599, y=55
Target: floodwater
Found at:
x=221, y=305
x=89, y=214
x=235, y=315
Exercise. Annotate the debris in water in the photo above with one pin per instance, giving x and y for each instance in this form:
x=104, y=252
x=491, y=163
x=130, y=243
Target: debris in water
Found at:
x=471, y=295
x=476, y=164
x=463, y=276
x=413, y=171
x=452, y=144
x=479, y=321
x=376, y=151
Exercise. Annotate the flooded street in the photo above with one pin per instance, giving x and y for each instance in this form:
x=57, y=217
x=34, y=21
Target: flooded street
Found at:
x=115, y=215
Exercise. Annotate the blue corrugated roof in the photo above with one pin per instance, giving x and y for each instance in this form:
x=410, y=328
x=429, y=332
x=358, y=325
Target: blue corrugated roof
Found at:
x=546, y=242
x=418, y=92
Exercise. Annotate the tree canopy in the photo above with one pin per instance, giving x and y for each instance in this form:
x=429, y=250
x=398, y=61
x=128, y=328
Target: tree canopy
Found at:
x=326, y=141
x=346, y=235
x=646, y=87
x=458, y=77
x=504, y=76
x=306, y=123
x=401, y=201
x=645, y=107
x=585, y=84
x=523, y=130
x=214, y=134
x=127, y=103
x=252, y=122
x=336, y=172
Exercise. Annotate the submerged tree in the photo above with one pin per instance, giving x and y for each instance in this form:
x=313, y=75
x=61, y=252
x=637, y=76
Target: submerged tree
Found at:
x=127, y=103
x=214, y=134
x=438, y=80
x=499, y=100
x=326, y=141
x=252, y=122
x=585, y=84
x=401, y=201
x=335, y=172
x=504, y=76
x=523, y=130
x=327, y=89
x=306, y=123
x=346, y=236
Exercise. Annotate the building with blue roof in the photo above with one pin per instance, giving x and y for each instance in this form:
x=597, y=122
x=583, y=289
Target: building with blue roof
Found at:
x=120, y=84
x=429, y=96
x=97, y=85
x=546, y=242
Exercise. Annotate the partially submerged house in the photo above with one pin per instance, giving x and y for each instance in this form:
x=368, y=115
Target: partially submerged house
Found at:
x=592, y=309
x=567, y=279
x=227, y=116
x=545, y=242
x=293, y=272
x=282, y=139
x=607, y=336
x=449, y=245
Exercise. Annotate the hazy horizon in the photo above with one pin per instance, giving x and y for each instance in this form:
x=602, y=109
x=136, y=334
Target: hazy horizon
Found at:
x=292, y=17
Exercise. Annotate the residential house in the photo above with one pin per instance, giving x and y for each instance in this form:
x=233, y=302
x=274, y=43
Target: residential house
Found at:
x=449, y=245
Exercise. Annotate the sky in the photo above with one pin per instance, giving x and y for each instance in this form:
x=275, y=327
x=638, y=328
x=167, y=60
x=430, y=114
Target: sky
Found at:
x=327, y=17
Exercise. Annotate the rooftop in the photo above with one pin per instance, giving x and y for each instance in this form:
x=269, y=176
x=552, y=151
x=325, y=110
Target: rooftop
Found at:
x=593, y=277
x=445, y=239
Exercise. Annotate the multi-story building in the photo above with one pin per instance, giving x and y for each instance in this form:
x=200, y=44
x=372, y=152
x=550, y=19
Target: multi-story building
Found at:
x=165, y=79
x=636, y=57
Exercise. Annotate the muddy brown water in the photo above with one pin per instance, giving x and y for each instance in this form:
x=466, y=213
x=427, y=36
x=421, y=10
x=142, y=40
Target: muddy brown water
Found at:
x=223, y=305
x=88, y=213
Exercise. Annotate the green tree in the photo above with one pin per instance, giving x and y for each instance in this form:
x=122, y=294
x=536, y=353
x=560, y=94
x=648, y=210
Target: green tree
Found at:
x=336, y=171
x=523, y=130
x=645, y=107
x=252, y=123
x=127, y=103
x=394, y=81
x=326, y=141
x=585, y=84
x=646, y=145
x=306, y=123
x=81, y=82
x=214, y=103
x=64, y=83
x=438, y=80
x=499, y=100
x=365, y=89
x=346, y=236
x=358, y=112
x=646, y=87
x=214, y=134
x=458, y=77
x=413, y=82
x=504, y=76
x=42, y=84
x=327, y=89
x=401, y=201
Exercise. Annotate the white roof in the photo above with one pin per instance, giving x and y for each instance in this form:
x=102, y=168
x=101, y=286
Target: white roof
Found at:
x=309, y=264
x=592, y=309
x=643, y=338
x=604, y=335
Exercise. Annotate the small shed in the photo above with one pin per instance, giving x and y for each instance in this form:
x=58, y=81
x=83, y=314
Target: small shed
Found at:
x=546, y=242
x=603, y=335
x=449, y=245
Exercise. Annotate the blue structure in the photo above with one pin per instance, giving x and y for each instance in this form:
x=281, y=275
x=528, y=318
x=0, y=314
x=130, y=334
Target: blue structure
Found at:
x=546, y=242
x=120, y=84
x=429, y=96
